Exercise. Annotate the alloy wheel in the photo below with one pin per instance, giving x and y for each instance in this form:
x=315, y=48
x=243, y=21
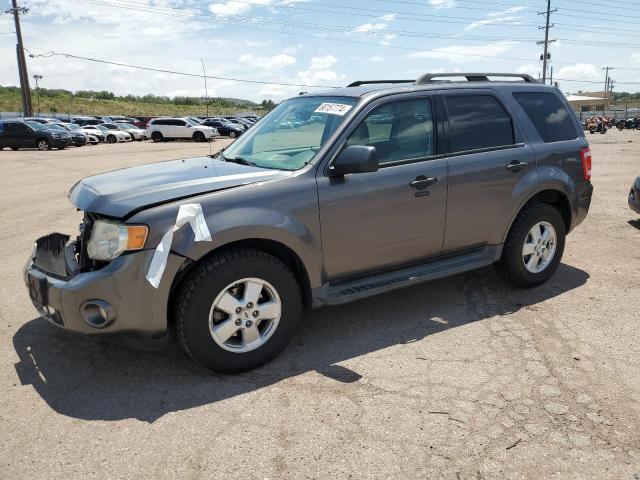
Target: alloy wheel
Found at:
x=539, y=247
x=245, y=315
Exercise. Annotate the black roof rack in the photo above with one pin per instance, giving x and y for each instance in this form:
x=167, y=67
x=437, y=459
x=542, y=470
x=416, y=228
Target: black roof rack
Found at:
x=429, y=77
x=473, y=77
x=373, y=82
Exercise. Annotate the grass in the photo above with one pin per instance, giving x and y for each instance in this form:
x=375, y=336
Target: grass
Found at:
x=64, y=103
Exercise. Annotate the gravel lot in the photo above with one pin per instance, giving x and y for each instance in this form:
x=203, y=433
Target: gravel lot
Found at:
x=460, y=378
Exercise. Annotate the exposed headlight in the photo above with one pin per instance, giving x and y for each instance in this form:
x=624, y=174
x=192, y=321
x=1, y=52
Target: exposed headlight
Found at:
x=111, y=239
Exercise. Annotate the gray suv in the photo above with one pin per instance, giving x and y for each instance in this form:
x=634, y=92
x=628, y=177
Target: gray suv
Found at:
x=376, y=186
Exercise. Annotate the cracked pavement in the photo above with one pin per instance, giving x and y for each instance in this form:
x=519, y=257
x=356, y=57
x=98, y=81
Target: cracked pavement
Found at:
x=464, y=377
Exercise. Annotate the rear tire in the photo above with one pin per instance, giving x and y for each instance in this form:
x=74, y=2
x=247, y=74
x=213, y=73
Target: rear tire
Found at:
x=112, y=139
x=157, y=137
x=232, y=134
x=225, y=276
x=522, y=270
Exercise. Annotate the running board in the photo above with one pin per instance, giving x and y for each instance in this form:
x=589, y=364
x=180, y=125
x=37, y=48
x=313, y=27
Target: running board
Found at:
x=340, y=292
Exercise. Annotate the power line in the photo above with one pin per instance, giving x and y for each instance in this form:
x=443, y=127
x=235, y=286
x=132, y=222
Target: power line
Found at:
x=173, y=72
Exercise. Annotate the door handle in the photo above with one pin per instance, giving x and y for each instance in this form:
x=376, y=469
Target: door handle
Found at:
x=516, y=166
x=421, y=182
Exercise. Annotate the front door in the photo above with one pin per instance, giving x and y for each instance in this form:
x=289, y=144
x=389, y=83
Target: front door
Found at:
x=395, y=216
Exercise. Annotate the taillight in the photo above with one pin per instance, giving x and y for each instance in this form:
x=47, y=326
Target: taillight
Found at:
x=585, y=155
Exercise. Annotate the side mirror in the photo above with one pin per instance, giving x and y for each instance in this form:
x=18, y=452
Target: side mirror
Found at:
x=355, y=159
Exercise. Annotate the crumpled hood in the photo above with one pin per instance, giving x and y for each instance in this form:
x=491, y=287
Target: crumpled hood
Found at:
x=121, y=192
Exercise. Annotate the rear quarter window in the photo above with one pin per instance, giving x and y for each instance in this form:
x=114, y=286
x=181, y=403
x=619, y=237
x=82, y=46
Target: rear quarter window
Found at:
x=478, y=122
x=549, y=115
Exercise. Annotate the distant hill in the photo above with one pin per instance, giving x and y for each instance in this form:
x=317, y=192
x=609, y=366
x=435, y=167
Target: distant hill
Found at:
x=88, y=102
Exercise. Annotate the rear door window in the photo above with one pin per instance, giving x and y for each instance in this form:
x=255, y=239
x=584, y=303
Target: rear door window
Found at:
x=548, y=114
x=478, y=122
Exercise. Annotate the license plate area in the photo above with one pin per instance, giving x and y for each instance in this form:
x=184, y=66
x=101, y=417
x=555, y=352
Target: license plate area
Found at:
x=38, y=289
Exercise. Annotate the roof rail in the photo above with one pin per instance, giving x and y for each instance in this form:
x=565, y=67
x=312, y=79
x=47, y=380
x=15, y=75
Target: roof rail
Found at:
x=473, y=77
x=372, y=82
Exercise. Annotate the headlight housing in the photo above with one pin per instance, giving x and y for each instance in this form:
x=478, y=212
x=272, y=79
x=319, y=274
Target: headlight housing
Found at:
x=110, y=239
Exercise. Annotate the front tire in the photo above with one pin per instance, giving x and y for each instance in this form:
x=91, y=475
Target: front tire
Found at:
x=112, y=139
x=237, y=310
x=534, y=246
x=157, y=137
x=198, y=137
x=43, y=145
x=232, y=134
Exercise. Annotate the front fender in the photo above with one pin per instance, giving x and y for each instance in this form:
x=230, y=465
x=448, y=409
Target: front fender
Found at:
x=254, y=223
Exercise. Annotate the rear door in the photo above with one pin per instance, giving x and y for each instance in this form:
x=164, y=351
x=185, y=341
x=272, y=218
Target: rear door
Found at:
x=395, y=216
x=491, y=168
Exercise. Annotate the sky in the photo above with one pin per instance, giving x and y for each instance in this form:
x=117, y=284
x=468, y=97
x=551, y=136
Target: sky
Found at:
x=314, y=44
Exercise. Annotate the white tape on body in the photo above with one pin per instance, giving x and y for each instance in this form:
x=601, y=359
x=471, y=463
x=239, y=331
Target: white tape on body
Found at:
x=190, y=213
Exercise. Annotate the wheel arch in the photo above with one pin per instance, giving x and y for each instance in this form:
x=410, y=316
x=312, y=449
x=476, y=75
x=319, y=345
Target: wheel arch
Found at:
x=550, y=196
x=275, y=248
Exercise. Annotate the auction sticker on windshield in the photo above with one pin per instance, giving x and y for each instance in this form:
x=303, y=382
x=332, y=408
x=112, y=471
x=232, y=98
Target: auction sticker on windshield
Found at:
x=333, y=108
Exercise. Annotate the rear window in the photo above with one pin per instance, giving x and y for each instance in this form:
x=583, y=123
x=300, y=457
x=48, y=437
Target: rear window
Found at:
x=478, y=122
x=548, y=114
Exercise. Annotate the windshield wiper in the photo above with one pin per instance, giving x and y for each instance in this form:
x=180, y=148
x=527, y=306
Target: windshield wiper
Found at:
x=241, y=161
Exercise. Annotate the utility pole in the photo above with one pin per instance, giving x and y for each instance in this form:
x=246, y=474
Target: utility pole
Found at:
x=22, y=63
x=206, y=91
x=606, y=83
x=37, y=77
x=546, y=56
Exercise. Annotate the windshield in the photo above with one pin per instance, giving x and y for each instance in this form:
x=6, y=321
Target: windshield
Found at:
x=291, y=134
x=103, y=128
x=35, y=125
x=193, y=123
x=126, y=125
x=53, y=126
x=72, y=126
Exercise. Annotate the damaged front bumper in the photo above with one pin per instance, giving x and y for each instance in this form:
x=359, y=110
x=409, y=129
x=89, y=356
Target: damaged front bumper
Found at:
x=113, y=299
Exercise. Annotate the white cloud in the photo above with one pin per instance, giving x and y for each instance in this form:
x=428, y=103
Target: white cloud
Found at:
x=375, y=59
x=443, y=3
x=579, y=71
x=231, y=8
x=502, y=16
x=372, y=27
x=322, y=63
x=530, y=69
x=275, y=62
x=465, y=53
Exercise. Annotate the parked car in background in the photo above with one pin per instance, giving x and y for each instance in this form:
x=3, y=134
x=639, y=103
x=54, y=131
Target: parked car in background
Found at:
x=84, y=121
x=167, y=128
x=224, y=128
x=78, y=139
x=17, y=134
x=235, y=122
x=95, y=131
x=141, y=122
x=42, y=120
x=634, y=196
x=113, y=134
x=91, y=139
x=135, y=132
x=118, y=119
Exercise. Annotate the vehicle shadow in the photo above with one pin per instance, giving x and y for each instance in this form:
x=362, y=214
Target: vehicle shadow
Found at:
x=634, y=223
x=99, y=378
